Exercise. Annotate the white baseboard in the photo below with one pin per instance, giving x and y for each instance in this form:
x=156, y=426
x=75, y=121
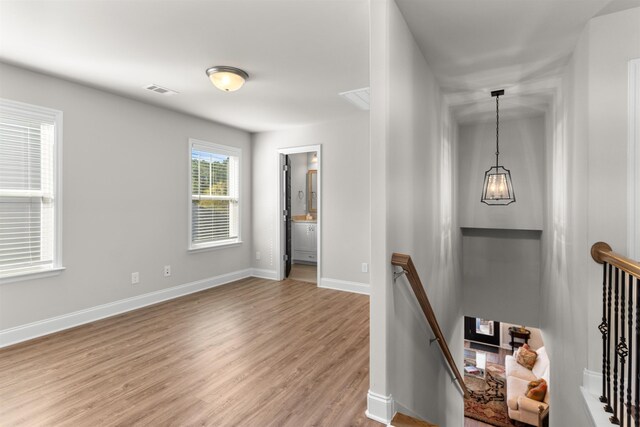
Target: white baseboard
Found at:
x=264, y=274
x=592, y=382
x=54, y=324
x=343, y=285
x=380, y=408
x=591, y=390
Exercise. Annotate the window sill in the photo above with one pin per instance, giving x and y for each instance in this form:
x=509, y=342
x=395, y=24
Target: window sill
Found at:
x=32, y=275
x=224, y=245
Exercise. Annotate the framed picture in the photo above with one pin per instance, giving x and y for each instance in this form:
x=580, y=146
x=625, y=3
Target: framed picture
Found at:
x=482, y=330
x=484, y=327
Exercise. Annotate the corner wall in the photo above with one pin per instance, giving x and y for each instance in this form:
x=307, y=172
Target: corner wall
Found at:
x=413, y=156
x=125, y=200
x=345, y=194
x=586, y=202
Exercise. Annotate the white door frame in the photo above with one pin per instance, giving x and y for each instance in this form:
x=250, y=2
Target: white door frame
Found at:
x=280, y=237
x=633, y=166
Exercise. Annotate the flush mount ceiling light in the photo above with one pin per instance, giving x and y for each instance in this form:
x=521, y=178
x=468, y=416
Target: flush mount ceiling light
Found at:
x=227, y=79
x=497, y=189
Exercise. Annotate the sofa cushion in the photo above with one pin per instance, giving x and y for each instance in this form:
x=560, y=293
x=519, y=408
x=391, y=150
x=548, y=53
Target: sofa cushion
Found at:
x=516, y=387
x=513, y=368
x=542, y=363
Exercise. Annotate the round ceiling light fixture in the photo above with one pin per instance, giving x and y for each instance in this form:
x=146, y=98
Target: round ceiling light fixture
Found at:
x=227, y=79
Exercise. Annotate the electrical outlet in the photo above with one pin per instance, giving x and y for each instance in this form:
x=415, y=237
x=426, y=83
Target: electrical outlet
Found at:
x=135, y=278
x=365, y=267
x=258, y=255
x=167, y=270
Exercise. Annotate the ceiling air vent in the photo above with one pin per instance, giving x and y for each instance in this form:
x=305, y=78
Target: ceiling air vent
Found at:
x=358, y=97
x=161, y=90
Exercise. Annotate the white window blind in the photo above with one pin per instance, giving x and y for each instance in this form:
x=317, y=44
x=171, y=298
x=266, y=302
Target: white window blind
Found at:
x=214, y=207
x=27, y=188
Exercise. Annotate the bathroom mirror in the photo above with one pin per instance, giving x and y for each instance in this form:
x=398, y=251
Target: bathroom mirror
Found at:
x=312, y=191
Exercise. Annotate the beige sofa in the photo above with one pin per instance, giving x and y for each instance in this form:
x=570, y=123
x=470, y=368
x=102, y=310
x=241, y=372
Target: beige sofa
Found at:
x=521, y=408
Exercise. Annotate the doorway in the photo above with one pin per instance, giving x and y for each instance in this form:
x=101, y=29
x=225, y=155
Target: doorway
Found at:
x=299, y=214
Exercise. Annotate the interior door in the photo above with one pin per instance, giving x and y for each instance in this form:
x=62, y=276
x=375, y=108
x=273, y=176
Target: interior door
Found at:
x=287, y=214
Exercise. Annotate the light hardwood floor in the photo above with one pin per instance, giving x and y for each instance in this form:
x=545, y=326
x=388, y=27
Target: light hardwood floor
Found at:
x=252, y=353
x=304, y=273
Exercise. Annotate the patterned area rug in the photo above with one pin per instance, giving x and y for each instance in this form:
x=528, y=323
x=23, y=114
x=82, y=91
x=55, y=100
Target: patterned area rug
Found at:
x=487, y=400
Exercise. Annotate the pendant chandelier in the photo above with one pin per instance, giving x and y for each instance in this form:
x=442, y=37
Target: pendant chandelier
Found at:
x=497, y=189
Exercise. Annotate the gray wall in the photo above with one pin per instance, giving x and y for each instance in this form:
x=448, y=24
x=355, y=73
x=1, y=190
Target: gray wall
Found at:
x=413, y=158
x=501, y=249
x=586, y=201
x=345, y=194
x=613, y=41
x=522, y=144
x=499, y=266
x=125, y=194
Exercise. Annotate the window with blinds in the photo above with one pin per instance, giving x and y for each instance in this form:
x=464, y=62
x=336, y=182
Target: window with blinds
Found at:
x=214, y=205
x=28, y=203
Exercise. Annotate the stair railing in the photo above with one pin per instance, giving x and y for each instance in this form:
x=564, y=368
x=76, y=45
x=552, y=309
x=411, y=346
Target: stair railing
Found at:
x=405, y=262
x=620, y=307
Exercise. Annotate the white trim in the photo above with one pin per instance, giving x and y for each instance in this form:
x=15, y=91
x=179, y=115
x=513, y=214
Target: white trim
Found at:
x=379, y=407
x=33, y=275
x=54, y=324
x=590, y=390
x=279, y=232
x=343, y=285
x=597, y=416
x=592, y=382
x=226, y=150
x=633, y=162
x=57, y=116
x=224, y=245
x=264, y=273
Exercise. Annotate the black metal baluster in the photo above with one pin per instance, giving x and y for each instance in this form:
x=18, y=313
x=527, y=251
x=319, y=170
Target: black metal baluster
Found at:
x=637, y=395
x=604, y=327
x=614, y=418
x=607, y=406
x=630, y=328
x=622, y=350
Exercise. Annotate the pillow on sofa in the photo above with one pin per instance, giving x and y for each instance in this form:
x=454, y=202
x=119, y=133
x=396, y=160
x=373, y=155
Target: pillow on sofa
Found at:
x=526, y=357
x=542, y=363
x=537, y=390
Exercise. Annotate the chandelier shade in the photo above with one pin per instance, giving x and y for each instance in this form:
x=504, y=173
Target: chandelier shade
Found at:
x=497, y=188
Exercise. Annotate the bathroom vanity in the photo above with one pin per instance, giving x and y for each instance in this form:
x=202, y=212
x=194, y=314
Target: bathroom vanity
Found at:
x=305, y=240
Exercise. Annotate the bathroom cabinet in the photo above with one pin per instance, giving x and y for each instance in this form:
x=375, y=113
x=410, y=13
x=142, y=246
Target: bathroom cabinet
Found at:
x=305, y=241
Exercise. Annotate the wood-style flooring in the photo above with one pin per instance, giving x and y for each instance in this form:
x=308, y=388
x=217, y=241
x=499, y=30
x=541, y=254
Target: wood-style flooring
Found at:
x=304, y=273
x=252, y=353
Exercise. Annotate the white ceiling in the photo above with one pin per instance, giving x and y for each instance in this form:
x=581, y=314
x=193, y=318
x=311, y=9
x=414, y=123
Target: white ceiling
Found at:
x=299, y=53
x=476, y=46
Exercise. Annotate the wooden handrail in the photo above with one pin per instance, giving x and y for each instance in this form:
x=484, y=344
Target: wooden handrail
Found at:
x=404, y=261
x=602, y=252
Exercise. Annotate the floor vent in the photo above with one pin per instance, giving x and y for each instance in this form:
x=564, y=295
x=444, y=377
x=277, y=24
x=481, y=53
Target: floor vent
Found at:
x=161, y=90
x=358, y=97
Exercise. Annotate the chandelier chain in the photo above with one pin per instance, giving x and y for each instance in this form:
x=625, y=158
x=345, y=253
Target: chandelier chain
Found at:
x=497, y=131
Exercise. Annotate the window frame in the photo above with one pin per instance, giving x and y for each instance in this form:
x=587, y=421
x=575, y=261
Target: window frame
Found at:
x=226, y=150
x=56, y=266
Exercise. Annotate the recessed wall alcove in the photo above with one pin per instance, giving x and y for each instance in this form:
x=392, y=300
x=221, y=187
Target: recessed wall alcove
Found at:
x=501, y=245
